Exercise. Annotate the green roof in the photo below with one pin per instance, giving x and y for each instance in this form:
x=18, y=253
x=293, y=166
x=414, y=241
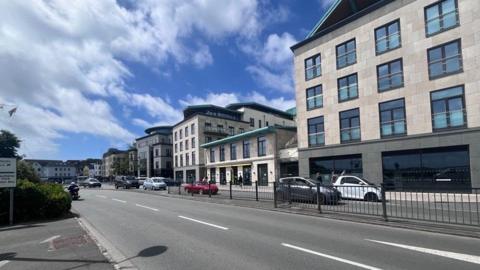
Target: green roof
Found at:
x=327, y=14
x=251, y=133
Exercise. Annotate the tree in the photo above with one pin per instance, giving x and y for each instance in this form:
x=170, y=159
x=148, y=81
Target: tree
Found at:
x=120, y=167
x=25, y=171
x=86, y=171
x=9, y=144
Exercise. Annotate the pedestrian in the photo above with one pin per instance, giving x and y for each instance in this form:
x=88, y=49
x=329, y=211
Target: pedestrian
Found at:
x=240, y=181
x=319, y=178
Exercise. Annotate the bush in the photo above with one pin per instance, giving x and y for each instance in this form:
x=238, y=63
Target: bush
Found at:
x=35, y=201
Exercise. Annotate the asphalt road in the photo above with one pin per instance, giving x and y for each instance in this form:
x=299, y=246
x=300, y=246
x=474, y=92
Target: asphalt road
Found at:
x=156, y=232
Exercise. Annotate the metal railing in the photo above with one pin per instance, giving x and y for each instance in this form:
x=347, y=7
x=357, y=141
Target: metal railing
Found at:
x=255, y=191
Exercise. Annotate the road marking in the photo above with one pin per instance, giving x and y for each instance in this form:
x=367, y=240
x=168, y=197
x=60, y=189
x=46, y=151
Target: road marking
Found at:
x=448, y=254
x=2, y=263
x=154, y=209
x=101, y=196
x=204, y=223
x=331, y=257
x=50, y=239
x=117, y=200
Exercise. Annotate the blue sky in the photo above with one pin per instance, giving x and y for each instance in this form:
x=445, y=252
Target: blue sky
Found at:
x=88, y=75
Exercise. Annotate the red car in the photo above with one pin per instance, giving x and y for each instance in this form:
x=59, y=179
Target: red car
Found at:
x=201, y=188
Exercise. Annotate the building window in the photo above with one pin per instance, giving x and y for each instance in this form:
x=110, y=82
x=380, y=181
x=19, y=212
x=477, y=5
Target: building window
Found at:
x=390, y=75
x=392, y=118
x=346, y=54
x=262, y=146
x=156, y=152
x=231, y=131
x=212, y=155
x=193, y=158
x=445, y=59
x=186, y=144
x=181, y=160
x=241, y=130
x=441, y=16
x=181, y=146
x=168, y=164
x=314, y=97
x=252, y=122
x=209, y=139
x=186, y=131
x=266, y=123
x=181, y=134
x=316, y=135
x=448, y=108
x=176, y=136
x=157, y=165
x=233, y=151
x=313, y=67
x=187, y=159
x=176, y=148
x=246, y=149
x=347, y=87
x=168, y=152
x=387, y=37
x=350, y=125
x=193, y=143
x=192, y=129
x=208, y=125
x=222, y=152
x=325, y=167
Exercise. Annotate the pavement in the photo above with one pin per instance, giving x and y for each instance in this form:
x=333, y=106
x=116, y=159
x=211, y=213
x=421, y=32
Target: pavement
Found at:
x=61, y=244
x=161, y=232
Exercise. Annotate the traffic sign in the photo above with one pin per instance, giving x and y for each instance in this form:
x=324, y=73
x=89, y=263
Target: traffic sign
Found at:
x=8, y=172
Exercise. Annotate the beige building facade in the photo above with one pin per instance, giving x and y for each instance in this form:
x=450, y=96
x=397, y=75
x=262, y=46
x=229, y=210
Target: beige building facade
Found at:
x=382, y=83
x=154, y=152
x=110, y=158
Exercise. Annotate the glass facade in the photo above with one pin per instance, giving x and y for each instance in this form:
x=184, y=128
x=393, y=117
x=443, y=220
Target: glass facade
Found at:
x=350, y=125
x=347, y=87
x=392, y=118
x=432, y=169
x=316, y=134
x=387, y=37
x=390, y=75
x=346, y=54
x=441, y=16
x=323, y=168
x=314, y=97
x=445, y=59
x=448, y=108
x=313, y=67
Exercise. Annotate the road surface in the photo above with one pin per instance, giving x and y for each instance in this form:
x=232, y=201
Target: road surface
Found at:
x=186, y=234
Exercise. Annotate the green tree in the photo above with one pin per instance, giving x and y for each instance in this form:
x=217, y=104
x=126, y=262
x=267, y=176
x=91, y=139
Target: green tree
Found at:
x=120, y=167
x=9, y=144
x=25, y=171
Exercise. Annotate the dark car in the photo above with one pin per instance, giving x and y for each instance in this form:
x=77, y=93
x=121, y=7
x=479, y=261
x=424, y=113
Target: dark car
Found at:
x=126, y=182
x=90, y=183
x=171, y=182
x=305, y=190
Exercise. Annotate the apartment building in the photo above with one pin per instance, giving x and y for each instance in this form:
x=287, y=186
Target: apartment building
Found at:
x=133, y=160
x=113, y=159
x=262, y=155
x=390, y=90
x=206, y=123
x=53, y=170
x=154, y=152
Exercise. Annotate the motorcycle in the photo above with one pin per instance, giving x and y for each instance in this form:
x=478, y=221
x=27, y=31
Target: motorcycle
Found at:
x=74, y=192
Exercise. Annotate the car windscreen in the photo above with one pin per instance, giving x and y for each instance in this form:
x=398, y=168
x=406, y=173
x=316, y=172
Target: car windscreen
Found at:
x=366, y=181
x=130, y=178
x=158, y=180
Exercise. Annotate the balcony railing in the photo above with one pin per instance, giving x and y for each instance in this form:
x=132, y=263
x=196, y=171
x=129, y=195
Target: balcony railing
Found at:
x=350, y=134
x=449, y=119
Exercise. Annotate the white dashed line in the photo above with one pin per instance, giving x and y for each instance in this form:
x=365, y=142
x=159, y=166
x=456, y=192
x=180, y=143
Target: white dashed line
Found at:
x=204, y=223
x=101, y=196
x=147, y=207
x=50, y=239
x=331, y=257
x=448, y=254
x=2, y=263
x=117, y=200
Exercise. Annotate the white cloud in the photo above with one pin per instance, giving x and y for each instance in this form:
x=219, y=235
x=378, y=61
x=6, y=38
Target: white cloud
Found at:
x=219, y=99
x=276, y=50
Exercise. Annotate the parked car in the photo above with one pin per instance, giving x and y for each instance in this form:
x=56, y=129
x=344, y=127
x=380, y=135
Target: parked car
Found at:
x=141, y=180
x=90, y=183
x=305, y=190
x=171, y=182
x=126, y=182
x=354, y=187
x=154, y=183
x=201, y=187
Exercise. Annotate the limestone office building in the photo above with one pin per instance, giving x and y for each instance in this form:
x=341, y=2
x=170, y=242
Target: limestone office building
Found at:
x=390, y=90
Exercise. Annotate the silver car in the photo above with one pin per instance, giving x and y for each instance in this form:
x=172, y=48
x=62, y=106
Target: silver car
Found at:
x=154, y=183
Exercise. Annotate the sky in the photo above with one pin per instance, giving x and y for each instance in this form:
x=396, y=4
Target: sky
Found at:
x=86, y=75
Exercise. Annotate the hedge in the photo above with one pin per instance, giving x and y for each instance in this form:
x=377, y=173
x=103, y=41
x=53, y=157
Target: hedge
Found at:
x=35, y=201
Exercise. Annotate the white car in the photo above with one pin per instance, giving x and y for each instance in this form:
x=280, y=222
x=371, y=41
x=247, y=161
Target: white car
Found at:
x=154, y=183
x=354, y=187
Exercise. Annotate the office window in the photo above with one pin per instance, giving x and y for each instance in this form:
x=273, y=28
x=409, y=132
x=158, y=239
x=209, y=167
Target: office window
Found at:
x=193, y=142
x=233, y=151
x=193, y=158
x=181, y=134
x=176, y=148
x=212, y=155
x=350, y=125
x=316, y=135
x=390, y=75
x=181, y=160
x=246, y=149
x=445, y=59
x=347, y=87
x=186, y=131
x=156, y=152
x=176, y=136
x=222, y=153
x=186, y=144
x=266, y=123
x=181, y=146
x=157, y=165
x=187, y=159
x=168, y=164
x=231, y=131
x=262, y=146
x=208, y=125
x=259, y=123
x=441, y=16
x=387, y=37
x=314, y=97
x=241, y=130
x=346, y=54
x=313, y=67
x=448, y=108
x=392, y=118
x=168, y=152
x=209, y=139
x=252, y=122
x=192, y=129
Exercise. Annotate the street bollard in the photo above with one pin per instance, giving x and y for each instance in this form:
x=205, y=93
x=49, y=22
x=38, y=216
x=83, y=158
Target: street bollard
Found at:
x=384, y=202
x=274, y=194
x=209, y=190
x=256, y=191
x=180, y=189
x=319, y=199
x=289, y=194
x=230, y=190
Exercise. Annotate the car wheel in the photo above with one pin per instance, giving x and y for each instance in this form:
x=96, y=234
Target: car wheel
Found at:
x=116, y=187
x=201, y=191
x=144, y=188
x=371, y=197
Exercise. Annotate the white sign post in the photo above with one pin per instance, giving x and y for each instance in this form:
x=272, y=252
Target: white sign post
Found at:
x=8, y=179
